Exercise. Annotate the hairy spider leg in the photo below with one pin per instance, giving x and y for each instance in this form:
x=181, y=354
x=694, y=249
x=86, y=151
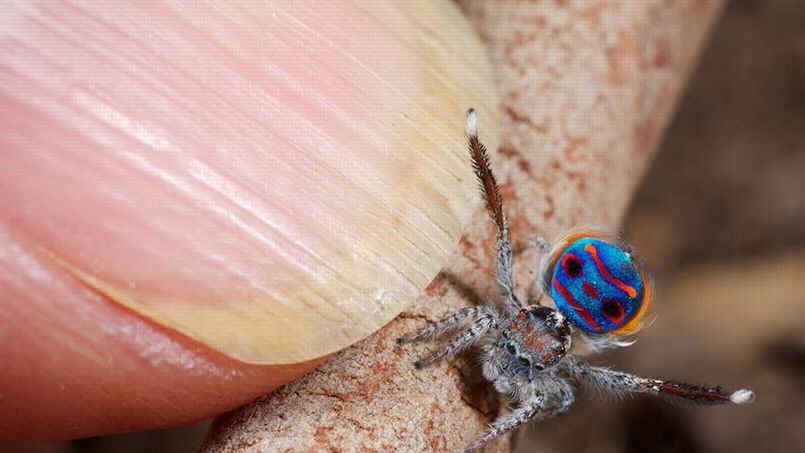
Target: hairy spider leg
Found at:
x=526, y=411
x=480, y=327
x=504, y=269
x=439, y=328
x=550, y=398
x=564, y=399
x=619, y=383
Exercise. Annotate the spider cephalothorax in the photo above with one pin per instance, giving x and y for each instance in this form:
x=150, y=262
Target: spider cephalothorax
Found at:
x=537, y=338
x=597, y=287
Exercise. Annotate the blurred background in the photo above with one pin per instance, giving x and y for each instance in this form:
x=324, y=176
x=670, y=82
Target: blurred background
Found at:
x=720, y=219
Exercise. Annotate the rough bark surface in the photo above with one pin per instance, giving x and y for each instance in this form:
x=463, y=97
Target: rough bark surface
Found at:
x=586, y=89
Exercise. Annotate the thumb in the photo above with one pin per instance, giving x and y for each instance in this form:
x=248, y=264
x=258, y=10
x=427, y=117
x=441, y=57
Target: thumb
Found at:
x=198, y=204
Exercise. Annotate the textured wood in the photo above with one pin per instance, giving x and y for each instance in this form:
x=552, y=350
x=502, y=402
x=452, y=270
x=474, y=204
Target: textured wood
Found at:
x=587, y=88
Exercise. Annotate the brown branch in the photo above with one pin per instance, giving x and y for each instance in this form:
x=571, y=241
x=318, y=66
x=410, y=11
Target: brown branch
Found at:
x=587, y=88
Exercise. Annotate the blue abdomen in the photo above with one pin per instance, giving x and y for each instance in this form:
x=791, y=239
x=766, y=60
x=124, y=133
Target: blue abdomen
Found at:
x=597, y=285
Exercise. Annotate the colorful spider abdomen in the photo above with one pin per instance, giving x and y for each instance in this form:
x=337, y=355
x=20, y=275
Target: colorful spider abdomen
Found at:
x=597, y=285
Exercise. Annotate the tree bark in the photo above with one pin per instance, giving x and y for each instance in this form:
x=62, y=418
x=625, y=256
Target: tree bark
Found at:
x=586, y=89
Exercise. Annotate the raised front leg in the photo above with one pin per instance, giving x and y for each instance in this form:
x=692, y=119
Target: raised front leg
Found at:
x=504, y=261
x=618, y=382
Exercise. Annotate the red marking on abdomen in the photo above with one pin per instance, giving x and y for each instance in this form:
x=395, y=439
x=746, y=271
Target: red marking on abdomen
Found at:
x=585, y=315
x=590, y=290
x=605, y=272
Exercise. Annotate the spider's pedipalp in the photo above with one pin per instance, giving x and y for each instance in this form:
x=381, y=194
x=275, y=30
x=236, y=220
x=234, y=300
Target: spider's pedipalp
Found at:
x=562, y=397
x=536, y=292
x=542, y=244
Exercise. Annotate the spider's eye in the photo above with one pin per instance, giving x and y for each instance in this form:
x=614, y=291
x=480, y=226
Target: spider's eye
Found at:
x=511, y=347
x=572, y=265
x=524, y=361
x=613, y=310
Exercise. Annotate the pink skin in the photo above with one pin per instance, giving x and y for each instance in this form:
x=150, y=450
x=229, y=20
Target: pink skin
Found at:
x=76, y=364
x=136, y=150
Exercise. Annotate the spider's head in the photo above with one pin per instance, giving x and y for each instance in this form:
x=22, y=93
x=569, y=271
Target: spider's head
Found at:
x=536, y=337
x=597, y=284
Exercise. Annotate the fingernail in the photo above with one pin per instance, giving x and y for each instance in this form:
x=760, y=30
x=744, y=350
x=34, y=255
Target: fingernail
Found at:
x=275, y=181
